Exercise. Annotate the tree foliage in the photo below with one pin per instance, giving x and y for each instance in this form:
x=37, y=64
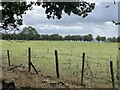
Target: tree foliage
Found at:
x=29, y=30
x=33, y=35
x=100, y=38
x=12, y=14
x=12, y=11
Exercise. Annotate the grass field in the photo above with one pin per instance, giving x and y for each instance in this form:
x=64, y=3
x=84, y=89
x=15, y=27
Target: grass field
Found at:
x=97, y=58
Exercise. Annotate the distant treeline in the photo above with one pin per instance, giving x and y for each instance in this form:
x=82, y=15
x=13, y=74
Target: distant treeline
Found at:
x=29, y=33
x=57, y=37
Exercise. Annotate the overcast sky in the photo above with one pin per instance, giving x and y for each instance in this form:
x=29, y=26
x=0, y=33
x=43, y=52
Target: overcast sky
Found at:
x=99, y=22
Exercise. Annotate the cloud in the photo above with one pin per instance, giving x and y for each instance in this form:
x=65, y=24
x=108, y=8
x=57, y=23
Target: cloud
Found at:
x=105, y=29
x=99, y=22
x=101, y=1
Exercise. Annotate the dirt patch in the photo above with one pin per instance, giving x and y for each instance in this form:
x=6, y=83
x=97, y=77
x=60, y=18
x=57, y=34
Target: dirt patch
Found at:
x=22, y=78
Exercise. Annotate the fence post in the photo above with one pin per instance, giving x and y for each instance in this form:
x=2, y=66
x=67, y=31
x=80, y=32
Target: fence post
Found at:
x=57, y=64
x=112, y=74
x=8, y=55
x=29, y=59
x=34, y=68
x=82, y=74
x=118, y=68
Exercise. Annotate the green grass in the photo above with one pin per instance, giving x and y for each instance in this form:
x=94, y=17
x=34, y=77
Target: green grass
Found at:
x=97, y=57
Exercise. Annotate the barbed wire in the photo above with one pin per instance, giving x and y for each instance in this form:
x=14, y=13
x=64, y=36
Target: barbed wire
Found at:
x=99, y=71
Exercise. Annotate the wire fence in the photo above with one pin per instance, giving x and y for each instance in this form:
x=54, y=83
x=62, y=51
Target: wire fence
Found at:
x=96, y=70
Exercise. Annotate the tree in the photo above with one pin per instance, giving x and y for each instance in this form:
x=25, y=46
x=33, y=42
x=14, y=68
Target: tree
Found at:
x=68, y=37
x=29, y=33
x=109, y=39
x=55, y=37
x=45, y=37
x=114, y=39
x=61, y=38
x=90, y=37
x=103, y=38
x=85, y=38
x=5, y=36
x=81, y=38
x=98, y=38
x=12, y=11
x=73, y=38
x=118, y=39
x=12, y=14
x=29, y=30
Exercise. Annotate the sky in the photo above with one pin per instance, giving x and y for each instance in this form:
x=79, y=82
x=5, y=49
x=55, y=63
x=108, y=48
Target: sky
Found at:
x=99, y=22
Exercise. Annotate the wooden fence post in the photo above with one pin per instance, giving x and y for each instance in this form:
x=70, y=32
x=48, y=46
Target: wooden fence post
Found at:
x=8, y=55
x=82, y=74
x=29, y=59
x=34, y=68
x=57, y=64
x=118, y=67
x=112, y=74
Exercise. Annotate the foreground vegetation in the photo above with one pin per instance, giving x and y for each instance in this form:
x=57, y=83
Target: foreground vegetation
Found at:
x=98, y=56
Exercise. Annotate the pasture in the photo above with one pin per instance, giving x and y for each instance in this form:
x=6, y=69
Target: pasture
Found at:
x=97, y=58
